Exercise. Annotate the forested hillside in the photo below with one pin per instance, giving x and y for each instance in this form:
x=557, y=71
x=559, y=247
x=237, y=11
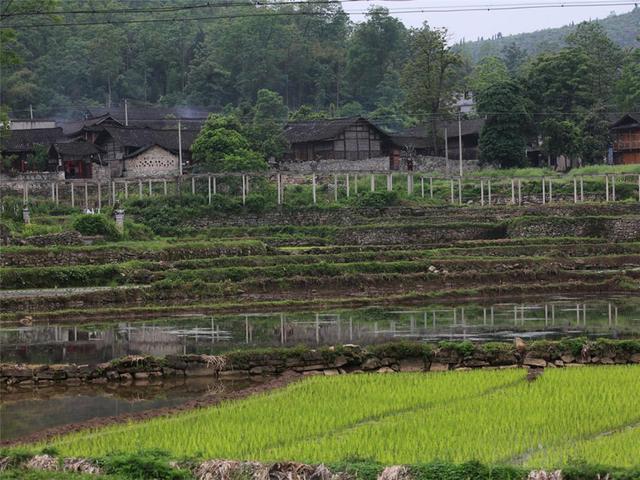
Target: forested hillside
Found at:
x=623, y=29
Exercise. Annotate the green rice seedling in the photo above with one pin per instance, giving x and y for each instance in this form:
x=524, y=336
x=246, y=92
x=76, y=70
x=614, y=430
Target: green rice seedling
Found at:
x=252, y=428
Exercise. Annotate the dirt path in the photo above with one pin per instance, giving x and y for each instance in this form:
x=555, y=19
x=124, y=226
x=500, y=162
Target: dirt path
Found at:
x=45, y=435
x=60, y=292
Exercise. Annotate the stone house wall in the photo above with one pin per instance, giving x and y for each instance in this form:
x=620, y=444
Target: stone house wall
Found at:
x=154, y=162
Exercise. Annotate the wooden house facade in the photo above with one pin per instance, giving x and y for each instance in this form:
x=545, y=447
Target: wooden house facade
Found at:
x=349, y=139
x=626, y=140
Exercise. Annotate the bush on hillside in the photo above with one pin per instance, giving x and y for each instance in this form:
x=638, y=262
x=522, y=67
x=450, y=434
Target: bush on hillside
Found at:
x=96, y=225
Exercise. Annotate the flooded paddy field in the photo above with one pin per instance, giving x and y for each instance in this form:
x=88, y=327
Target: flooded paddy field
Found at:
x=26, y=410
x=547, y=317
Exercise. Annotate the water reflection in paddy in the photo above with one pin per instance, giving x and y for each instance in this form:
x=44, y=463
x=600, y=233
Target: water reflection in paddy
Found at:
x=548, y=318
x=26, y=409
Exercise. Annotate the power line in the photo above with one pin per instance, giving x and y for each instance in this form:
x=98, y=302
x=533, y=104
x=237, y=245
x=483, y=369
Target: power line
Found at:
x=265, y=13
x=279, y=3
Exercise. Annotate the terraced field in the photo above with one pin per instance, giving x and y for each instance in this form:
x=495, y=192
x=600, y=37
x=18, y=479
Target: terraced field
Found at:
x=402, y=257
x=491, y=416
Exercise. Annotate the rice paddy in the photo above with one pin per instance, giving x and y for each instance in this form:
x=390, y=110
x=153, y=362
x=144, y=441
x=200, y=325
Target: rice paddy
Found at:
x=494, y=416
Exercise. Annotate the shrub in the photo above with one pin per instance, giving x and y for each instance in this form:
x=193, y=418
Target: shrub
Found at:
x=137, y=231
x=143, y=465
x=96, y=225
x=377, y=199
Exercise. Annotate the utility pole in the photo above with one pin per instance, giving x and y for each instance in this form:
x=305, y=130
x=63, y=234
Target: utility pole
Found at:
x=126, y=113
x=460, y=138
x=180, y=145
x=446, y=149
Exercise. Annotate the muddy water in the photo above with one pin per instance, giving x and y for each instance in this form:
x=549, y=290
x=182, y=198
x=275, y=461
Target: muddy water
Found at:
x=27, y=410
x=543, y=318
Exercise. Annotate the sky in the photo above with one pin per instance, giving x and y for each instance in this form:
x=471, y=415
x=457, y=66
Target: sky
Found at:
x=471, y=25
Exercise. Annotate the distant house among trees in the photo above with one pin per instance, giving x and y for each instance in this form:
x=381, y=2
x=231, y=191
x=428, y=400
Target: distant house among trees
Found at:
x=352, y=138
x=626, y=139
x=26, y=150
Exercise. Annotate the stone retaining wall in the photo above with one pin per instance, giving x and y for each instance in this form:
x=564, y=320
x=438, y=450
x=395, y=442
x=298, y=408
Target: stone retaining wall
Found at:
x=385, y=358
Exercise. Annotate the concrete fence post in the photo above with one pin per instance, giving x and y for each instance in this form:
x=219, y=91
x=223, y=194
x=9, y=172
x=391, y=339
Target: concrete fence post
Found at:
x=431, y=187
x=613, y=188
x=355, y=184
x=73, y=197
x=119, y=214
x=482, y=192
x=519, y=191
x=113, y=193
x=389, y=182
x=606, y=186
x=164, y=187
x=244, y=190
x=150, y=188
x=335, y=187
x=53, y=192
x=489, y=191
x=313, y=188
x=86, y=196
x=348, y=186
x=544, y=190
x=513, y=192
x=25, y=192
x=126, y=189
x=26, y=215
x=373, y=182
x=422, y=187
x=575, y=190
x=140, y=188
x=209, y=189
x=246, y=181
x=581, y=189
x=99, y=196
x=57, y=194
x=639, y=188
x=452, y=197
x=215, y=185
x=409, y=184
x=460, y=190
x=193, y=185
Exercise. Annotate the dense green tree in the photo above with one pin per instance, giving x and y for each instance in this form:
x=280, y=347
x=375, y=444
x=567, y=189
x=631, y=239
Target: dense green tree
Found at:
x=429, y=76
x=503, y=137
x=221, y=146
x=627, y=90
x=514, y=57
x=377, y=45
x=603, y=58
x=489, y=71
x=268, y=120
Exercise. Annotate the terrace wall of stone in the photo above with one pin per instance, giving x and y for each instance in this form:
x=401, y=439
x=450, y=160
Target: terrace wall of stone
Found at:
x=344, y=359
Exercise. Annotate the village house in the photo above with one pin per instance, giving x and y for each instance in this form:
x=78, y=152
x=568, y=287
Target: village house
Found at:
x=349, y=139
x=77, y=159
x=27, y=149
x=626, y=139
x=418, y=139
